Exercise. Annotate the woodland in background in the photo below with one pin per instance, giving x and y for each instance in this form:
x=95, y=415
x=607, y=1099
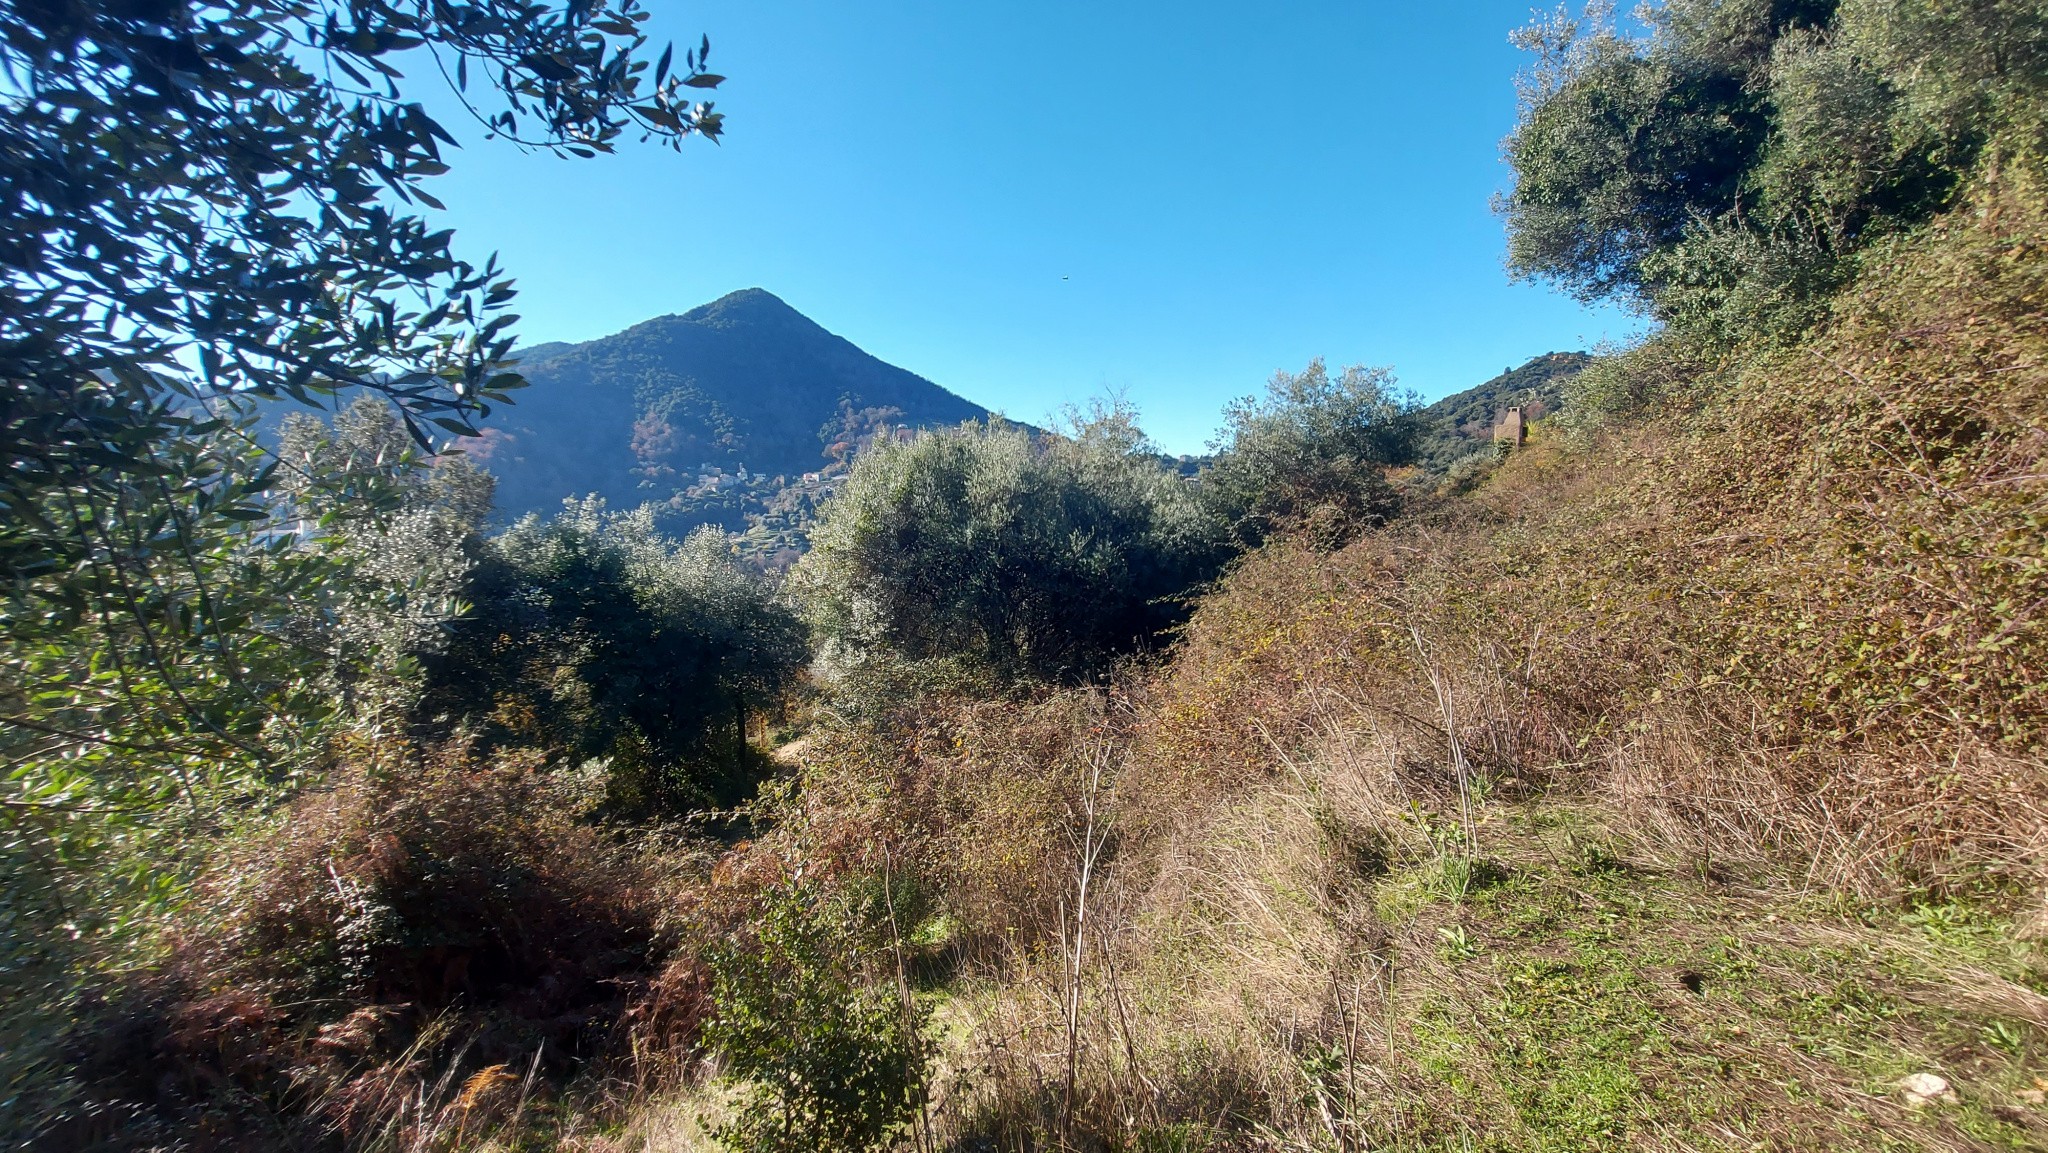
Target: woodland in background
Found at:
x=1674, y=781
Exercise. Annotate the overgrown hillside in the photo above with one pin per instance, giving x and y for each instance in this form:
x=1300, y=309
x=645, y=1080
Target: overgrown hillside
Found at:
x=1675, y=781
x=1683, y=787
x=1462, y=424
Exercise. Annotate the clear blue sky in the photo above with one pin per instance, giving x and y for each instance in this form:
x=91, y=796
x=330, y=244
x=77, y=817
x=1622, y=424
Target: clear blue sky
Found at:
x=1035, y=203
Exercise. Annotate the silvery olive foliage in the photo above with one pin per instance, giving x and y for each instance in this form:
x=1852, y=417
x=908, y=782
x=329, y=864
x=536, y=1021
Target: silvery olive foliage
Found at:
x=986, y=553
x=1723, y=166
x=403, y=528
x=204, y=206
x=1312, y=454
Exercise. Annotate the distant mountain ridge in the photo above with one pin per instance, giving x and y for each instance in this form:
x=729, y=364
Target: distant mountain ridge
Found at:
x=744, y=381
x=718, y=414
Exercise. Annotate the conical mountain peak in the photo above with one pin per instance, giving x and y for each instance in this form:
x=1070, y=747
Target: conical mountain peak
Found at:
x=743, y=382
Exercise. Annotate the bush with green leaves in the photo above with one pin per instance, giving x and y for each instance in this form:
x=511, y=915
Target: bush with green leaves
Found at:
x=402, y=526
x=1468, y=472
x=1724, y=170
x=830, y=1060
x=1631, y=384
x=1312, y=453
x=595, y=636
x=239, y=654
x=201, y=205
x=984, y=554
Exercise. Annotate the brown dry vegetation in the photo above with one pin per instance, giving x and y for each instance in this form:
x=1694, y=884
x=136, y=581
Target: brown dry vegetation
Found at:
x=408, y=958
x=1800, y=617
x=1681, y=787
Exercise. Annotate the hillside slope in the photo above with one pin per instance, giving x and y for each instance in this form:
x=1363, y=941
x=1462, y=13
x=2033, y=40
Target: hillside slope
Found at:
x=1683, y=787
x=1462, y=423
x=743, y=381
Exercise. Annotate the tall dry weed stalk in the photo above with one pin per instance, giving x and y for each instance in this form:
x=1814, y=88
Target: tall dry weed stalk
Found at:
x=1459, y=765
x=1090, y=838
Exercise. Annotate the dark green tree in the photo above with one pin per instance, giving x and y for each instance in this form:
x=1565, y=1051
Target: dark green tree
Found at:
x=985, y=553
x=1312, y=454
x=594, y=636
x=1724, y=170
x=202, y=206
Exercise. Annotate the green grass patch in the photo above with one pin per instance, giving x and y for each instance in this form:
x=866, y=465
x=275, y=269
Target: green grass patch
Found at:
x=1591, y=1003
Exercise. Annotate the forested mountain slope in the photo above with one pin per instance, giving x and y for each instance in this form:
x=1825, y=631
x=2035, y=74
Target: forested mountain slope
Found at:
x=1462, y=422
x=743, y=381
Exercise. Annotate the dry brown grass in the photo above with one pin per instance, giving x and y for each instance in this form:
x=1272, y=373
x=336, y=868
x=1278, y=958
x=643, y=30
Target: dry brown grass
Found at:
x=1677, y=788
x=1418, y=845
x=1319, y=965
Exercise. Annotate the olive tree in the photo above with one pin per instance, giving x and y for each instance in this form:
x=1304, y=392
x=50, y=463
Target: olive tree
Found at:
x=1723, y=170
x=989, y=553
x=202, y=205
x=1312, y=453
x=594, y=636
x=399, y=528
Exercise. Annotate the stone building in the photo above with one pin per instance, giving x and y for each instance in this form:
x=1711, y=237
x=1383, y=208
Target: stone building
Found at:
x=1510, y=429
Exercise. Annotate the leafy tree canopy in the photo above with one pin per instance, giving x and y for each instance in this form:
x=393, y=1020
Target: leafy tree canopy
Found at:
x=1723, y=169
x=594, y=636
x=201, y=204
x=217, y=201
x=1006, y=556
x=1313, y=452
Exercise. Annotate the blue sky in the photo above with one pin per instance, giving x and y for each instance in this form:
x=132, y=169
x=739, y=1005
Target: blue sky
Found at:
x=1035, y=203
